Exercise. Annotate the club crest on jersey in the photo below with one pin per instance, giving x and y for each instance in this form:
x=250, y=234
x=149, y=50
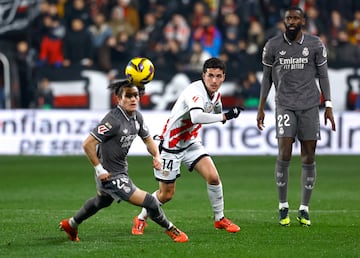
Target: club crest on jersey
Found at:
x=102, y=129
x=137, y=125
x=305, y=51
x=165, y=173
x=281, y=131
x=208, y=107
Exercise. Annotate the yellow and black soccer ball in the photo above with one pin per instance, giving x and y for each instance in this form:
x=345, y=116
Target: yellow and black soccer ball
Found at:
x=140, y=71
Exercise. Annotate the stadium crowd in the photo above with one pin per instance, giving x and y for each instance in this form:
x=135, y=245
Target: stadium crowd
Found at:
x=176, y=35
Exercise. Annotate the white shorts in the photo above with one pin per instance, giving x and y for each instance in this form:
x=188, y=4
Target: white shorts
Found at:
x=171, y=162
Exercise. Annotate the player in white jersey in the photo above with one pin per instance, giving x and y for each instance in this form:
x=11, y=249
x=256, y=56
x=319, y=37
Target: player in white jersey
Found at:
x=293, y=61
x=199, y=103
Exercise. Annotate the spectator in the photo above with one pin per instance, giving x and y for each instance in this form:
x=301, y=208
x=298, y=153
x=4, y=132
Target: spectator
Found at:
x=314, y=25
x=25, y=59
x=163, y=53
x=249, y=91
x=255, y=37
x=209, y=36
x=78, y=49
x=100, y=31
x=232, y=23
x=353, y=29
x=99, y=6
x=118, y=24
x=195, y=59
x=44, y=97
x=227, y=8
x=147, y=37
x=347, y=53
x=77, y=9
x=117, y=53
x=200, y=10
x=51, y=44
x=177, y=29
x=128, y=13
x=336, y=24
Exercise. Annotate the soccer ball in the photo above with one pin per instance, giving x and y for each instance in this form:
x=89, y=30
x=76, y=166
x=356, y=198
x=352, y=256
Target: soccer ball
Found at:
x=140, y=70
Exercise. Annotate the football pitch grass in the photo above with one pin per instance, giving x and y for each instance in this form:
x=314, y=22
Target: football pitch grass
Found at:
x=37, y=192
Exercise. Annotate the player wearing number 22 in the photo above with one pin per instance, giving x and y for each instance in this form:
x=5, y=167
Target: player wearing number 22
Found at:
x=293, y=62
x=199, y=103
x=106, y=148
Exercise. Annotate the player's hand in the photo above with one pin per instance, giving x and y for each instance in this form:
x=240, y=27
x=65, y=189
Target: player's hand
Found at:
x=234, y=112
x=260, y=119
x=157, y=163
x=101, y=173
x=329, y=115
x=104, y=177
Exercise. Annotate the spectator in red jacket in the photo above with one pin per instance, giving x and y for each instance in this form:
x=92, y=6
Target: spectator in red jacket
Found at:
x=51, y=52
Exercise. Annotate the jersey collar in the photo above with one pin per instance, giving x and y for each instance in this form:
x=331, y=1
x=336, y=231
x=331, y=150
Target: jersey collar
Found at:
x=301, y=41
x=126, y=115
x=207, y=91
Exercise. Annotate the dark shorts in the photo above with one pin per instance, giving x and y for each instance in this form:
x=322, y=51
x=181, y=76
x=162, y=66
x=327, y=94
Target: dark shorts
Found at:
x=303, y=124
x=119, y=187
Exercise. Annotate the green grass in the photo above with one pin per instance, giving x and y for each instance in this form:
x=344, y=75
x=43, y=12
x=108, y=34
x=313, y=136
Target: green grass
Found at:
x=37, y=192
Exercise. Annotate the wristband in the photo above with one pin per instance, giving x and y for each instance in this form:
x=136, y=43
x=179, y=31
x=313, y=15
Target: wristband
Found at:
x=99, y=170
x=328, y=103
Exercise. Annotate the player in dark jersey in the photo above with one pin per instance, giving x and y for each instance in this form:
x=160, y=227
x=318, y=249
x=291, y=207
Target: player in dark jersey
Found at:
x=293, y=61
x=107, y=147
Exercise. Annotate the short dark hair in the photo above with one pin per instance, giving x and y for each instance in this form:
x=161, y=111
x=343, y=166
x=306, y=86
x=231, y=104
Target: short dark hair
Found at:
x=118, y=86
x=214, y=62
x=296, y=8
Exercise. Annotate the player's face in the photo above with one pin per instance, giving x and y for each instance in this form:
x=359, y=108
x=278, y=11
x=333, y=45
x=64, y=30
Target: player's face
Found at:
x=213, y=78
x=293, y=22
x=129, y=99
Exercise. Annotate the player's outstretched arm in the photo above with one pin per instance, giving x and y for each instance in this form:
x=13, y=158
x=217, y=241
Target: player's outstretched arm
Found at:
x=198, y=116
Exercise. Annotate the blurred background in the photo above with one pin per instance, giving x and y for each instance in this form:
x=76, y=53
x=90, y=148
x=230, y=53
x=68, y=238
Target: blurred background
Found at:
x=60, y=55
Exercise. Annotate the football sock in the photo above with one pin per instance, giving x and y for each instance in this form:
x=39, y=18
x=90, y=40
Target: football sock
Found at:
x=215, y=194
x=282, y=178
x=308, y=178
x=144, y=214
x=283, y=205
x=303, y=207
x=91, y=207
x=73, y=223
x=155, y=211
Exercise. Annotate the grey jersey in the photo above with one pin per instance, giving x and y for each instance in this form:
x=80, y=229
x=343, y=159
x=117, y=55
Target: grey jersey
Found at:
x=295, y=66
x=116, y=132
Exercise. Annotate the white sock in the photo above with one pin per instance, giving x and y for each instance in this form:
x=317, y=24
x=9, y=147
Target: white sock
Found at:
x=170, y=225
x=283, y=205
x=143, y=214
x=303, y=207
x=73, y=223
x=216, y=198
